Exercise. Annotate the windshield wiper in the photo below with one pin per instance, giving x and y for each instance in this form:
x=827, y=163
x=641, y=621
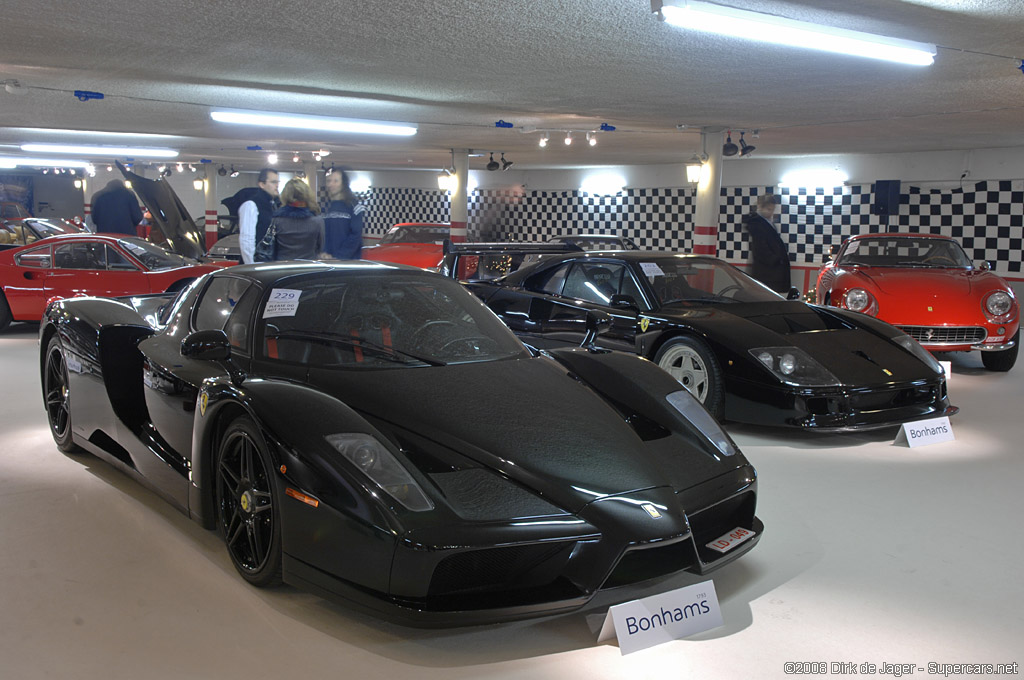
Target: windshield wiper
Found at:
x=376, y=349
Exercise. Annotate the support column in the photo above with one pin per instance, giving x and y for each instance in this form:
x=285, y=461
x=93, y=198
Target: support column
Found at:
x=458, y=214
x=706, y=214
x=210, y=203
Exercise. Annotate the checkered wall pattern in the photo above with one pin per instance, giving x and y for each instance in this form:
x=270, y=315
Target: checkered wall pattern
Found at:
x=986, y=217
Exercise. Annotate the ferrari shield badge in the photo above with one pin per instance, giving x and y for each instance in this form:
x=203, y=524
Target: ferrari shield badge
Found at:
x=644, y=323
x=204, y=398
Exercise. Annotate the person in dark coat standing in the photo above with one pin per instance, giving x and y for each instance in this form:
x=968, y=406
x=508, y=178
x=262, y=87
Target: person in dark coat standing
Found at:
x=343, y=218
x=769, y=257
x=300, y=230
x=115, y=209
x=254, y=207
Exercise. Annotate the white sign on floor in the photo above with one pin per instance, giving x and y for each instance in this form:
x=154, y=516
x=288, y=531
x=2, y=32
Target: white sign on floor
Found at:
x=669, y=616
x=923, y=432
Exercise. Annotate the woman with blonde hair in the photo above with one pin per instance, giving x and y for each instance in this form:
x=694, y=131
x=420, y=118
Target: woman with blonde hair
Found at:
x=299, y=229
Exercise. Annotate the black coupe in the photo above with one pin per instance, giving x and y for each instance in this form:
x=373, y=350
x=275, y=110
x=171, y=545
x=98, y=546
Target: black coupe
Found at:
x=373, y=433
x=744, y=351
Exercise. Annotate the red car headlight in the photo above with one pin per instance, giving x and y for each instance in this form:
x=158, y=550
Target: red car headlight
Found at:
x=998, y=303
x=859, y=300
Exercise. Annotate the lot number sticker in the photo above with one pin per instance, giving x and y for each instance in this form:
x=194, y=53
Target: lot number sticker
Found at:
x=282, y=302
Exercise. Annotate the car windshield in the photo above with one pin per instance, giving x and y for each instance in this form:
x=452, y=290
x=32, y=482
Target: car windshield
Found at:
x=153, y=257
x=415, y=233
x=904, y=251
x=376, y=320
x=697, y=280
x=47, y=228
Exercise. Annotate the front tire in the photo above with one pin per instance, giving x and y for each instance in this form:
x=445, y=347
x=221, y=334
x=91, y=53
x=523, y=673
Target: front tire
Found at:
x=247, y=504
x=57, y=396
x=1002, y=361
x=691, y=362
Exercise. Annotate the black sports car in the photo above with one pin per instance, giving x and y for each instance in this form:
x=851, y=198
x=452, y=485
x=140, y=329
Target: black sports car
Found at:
x=373, y=433
x=744, y=351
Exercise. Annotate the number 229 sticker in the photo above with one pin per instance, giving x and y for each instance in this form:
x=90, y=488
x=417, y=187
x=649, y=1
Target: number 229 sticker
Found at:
x=282, y=302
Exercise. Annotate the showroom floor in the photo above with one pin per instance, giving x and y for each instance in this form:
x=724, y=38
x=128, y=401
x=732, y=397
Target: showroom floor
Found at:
x=872, y=553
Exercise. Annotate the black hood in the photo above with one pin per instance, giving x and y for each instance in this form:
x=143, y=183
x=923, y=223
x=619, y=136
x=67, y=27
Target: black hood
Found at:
x=565, y=441
x=169, y=215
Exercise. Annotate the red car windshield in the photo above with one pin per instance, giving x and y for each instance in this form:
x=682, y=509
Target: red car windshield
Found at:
x=415, y=233
x=904, y=251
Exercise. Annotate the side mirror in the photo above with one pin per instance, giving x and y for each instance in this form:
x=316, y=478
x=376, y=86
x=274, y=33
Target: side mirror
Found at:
x=793, y=293
x=207, y=346
x=621, y=301
x=597, y=323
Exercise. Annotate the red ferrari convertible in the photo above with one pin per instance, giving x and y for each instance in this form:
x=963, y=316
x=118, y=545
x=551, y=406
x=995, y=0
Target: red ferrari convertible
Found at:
x=74, y=265
x=926, y=285
x=418, y=244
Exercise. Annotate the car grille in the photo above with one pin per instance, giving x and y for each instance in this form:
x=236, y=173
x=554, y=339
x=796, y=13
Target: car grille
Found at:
x=945, y=335
x=878, y=400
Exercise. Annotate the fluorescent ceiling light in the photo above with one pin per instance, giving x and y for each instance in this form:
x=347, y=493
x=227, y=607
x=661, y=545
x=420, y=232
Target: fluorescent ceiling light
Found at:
x=90, y=150
x=304, y=122
x=14, y=161
x=738, y=23
x=103, y=133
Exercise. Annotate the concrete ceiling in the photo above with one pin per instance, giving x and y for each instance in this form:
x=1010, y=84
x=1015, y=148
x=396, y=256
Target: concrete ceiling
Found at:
x=455, y=67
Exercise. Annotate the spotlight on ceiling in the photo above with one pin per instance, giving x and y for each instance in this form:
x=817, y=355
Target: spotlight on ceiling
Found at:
x=181, y=168
x=505, y=165
x=493, y=164
x=729, y=149
x=161, y=168
x=272, y=159
x=591, y=139
x=295, y=158
x=191, y=168
x=544, y=140
x=234, y=173
x=167, y=172
x=747, y=149
x=222, y=171
x=568, y=138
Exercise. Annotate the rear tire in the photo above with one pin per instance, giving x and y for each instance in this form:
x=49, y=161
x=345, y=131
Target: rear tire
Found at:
x=5, y=313
x=1002, y=361
x=57, y=396
x=690, y=361
x=247, y=504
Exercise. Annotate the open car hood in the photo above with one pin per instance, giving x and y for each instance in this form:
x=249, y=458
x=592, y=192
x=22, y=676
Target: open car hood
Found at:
x=169, y=215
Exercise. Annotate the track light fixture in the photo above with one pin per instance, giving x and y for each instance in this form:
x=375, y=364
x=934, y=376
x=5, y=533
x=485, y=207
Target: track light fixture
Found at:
x=568, y=138
x=492, y=164
x=222, y=171
x=234, y=173
x=272, y=159
x=729, y=149
x=505, y=165
x=544, y=140
x=745, y=149
x=591, y=139
x=295, y=158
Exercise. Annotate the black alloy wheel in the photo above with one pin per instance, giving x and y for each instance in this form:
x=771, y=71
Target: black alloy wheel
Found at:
x=247, y=509
x=57, y=396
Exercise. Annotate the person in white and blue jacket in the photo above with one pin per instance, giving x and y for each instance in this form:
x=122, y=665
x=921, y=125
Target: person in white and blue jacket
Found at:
x=343, y=218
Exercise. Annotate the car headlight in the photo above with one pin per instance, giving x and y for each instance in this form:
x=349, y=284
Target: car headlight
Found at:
x=914, y=347
x=794, y=366
x=694, y=411
x=998, y=303
x=377, y=463
x=858, y=300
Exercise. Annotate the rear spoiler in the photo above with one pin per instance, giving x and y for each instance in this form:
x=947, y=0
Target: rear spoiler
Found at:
x=486, y=261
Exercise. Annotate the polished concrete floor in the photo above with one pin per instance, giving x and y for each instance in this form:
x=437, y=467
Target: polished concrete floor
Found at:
x=873, y=553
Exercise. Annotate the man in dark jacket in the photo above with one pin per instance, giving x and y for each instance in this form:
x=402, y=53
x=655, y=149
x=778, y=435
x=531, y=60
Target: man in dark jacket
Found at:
x=254, y=207
x=769, y=258
x=115, y=210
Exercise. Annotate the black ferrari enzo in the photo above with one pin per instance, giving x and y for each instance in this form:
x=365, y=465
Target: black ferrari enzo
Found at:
x=745, y=352
x=373, y=433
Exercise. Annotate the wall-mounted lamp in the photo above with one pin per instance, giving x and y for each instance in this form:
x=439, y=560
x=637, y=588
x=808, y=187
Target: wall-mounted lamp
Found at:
x=745, y=149
x=693, y=171
x=199, y=184
x=78, y=184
